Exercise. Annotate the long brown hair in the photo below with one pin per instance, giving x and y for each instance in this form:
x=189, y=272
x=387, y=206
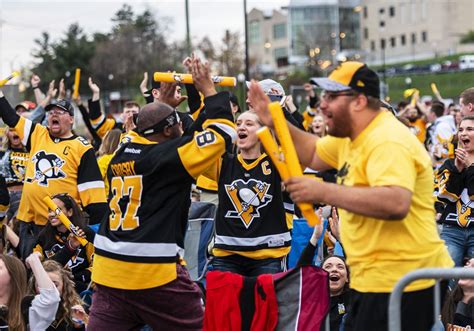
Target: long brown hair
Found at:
x=48, y=233
x=449, y=307
x=110, y=142
x=17, y=273
x=69, y=296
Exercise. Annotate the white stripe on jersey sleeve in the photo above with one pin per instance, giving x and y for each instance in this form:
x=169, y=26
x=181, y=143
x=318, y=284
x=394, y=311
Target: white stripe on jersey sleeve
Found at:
x=227, y=129
x=26, y=131
x=98, y=121
x=88, y=185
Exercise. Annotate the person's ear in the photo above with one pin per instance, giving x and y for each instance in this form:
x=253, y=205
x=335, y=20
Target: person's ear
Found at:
x=167, y=132
x=156, y=93
x=360, y=102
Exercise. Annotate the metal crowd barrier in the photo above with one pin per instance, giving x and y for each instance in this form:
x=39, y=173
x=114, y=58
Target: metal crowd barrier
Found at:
x=394, y=313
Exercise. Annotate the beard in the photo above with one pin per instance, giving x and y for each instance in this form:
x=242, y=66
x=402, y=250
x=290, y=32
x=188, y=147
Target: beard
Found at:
x=341, y=124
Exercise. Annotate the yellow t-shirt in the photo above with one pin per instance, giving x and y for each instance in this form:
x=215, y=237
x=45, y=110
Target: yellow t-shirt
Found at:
x=420, y=129
x=380, y=252
x=103, y=163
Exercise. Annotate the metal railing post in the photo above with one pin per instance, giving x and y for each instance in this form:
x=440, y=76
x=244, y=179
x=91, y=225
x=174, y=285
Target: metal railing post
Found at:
x=394, y=313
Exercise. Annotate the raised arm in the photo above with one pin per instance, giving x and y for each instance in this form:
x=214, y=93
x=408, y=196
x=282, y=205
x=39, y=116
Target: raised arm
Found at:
x=39, y=95
x=45, y=305
x=305, y=143
x=7, y=113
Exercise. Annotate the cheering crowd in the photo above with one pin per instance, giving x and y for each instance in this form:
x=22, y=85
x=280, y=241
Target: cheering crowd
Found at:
x=393, y=183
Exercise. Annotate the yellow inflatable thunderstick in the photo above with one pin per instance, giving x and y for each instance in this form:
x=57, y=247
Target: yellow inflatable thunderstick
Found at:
x=172, y=77
x=77, y=81
x=6, y=80
x=273, y=151
x=434, y=88
x=289, y=153
x=63, y=218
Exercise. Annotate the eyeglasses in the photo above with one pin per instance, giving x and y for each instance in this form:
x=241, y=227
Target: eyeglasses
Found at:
x=331, y=96
x=57, y=111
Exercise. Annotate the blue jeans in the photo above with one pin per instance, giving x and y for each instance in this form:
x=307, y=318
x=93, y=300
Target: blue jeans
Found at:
x=460, y=242
x=247, y=267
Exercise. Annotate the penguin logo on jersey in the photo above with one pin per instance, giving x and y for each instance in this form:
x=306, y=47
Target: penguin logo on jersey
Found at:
x=75, y=260
x=247, y=198
x=47, y=166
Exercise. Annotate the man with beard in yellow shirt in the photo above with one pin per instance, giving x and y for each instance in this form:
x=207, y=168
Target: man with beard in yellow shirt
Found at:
x=384, y=193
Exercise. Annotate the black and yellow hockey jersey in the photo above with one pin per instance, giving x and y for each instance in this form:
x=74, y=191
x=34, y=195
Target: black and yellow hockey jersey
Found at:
x=79, y=261
x=13, y=165
x=100, y=123
x=4, y=199
x=251, y=219
x=150, y=186
x=456, y=190
x=55, y=166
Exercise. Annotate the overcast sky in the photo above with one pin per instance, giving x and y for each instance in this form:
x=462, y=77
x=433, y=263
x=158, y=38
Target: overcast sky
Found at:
x=23, y=21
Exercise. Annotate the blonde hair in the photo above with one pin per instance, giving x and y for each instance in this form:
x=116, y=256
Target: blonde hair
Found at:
x=110, y=142
x=17, y=273
x=69, y=296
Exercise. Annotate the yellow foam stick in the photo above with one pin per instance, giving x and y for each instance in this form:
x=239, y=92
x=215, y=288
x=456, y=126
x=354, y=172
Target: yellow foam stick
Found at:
x=434, y=88
x=63, y=218
x=414, y=98
x=291, y=158
x=77, y=81
x=172, y=77
x=273, y=152
x=12, y=75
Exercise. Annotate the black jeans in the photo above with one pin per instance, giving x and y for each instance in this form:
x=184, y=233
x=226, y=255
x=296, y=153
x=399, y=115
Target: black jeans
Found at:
x=247, y=267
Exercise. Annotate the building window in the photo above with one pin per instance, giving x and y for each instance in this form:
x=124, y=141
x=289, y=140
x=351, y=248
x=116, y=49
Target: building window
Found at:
x=382, y=43
x=381, y=11
x=382, y=24
x=424, y=36
x=366, y=12
x=392, y=42
x=391, y=11
x=372, y=45
x=279, y=31
x=254, y=32
x=366, y=33
x=281, y=52
x=403, y=40
x=413, y=38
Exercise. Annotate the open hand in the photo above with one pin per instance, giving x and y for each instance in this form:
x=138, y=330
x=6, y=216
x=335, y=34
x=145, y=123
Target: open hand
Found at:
x=202, y=77
x=461, y=159
x=260, y=102
x=144, y=83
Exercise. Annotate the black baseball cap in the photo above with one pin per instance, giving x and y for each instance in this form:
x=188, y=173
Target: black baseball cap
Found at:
x=154, y=85
x=351, y=75
x=63, y=104
x=234, y=100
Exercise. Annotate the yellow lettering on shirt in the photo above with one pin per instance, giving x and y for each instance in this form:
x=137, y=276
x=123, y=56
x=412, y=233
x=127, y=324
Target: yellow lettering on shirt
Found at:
x=123, y=169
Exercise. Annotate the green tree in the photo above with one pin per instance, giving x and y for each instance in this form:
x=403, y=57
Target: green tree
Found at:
x=56, y=59
x=73, y=51
x=468, y=37
x=230, y=57
x=44, y=55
